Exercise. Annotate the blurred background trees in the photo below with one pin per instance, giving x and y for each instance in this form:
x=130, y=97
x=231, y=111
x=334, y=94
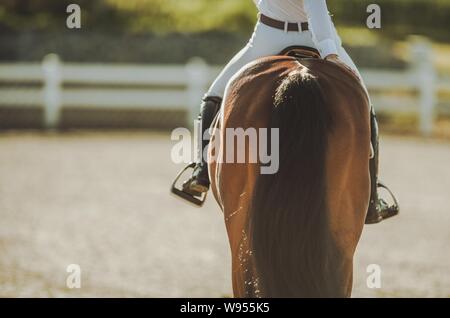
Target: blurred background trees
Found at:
x=172, y=31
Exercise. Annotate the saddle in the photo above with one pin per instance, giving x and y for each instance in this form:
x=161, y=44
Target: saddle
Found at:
x=301, y=52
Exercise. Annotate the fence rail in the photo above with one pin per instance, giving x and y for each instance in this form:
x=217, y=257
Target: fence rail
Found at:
x=102, y=86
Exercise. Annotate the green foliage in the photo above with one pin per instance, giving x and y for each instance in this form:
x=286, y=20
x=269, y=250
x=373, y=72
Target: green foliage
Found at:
x=187, y=15
x=172, y=31
x=130, y=16
x=400, y=17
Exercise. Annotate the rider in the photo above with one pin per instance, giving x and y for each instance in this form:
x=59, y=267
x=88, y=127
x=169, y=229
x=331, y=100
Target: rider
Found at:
x=284, y=23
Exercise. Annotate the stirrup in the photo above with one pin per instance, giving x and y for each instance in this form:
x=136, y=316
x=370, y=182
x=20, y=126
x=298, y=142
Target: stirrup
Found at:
x=392, y=210
x=179, y=192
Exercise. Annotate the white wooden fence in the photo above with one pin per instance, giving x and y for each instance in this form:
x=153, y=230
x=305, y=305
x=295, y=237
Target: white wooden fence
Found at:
x=181, y=87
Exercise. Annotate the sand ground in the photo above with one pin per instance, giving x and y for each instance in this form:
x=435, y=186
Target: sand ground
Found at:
x=101, y=200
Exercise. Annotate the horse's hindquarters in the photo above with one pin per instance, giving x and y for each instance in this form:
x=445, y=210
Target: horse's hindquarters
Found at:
x=249, y=104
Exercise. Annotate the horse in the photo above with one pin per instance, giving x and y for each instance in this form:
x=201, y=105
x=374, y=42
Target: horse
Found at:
x=294, y=233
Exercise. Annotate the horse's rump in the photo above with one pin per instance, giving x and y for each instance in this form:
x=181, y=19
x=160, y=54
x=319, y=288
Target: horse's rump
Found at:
x=292, y=233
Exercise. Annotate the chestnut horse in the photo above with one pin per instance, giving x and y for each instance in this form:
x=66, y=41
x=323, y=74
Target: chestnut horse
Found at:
x=294, y=233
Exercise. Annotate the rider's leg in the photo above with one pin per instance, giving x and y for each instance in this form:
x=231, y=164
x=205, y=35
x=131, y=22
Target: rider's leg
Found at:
x=199, y=182
x=378, y=208
x=372, y=214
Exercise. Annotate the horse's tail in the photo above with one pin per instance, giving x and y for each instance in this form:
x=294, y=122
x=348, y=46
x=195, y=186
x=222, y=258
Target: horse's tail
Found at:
x=294, y=252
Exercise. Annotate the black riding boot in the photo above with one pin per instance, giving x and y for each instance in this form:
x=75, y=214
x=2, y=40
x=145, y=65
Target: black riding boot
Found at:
x=199, y=182
x=378, y=208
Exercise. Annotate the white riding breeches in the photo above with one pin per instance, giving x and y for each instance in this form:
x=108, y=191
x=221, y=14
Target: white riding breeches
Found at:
x=267, y=41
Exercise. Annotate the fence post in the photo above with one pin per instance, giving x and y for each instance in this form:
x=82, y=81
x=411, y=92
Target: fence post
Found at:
x=197, y=71
x=51, y=67
x=422, y=57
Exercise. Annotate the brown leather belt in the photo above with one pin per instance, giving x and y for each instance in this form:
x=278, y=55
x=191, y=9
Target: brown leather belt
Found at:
x=282, y=25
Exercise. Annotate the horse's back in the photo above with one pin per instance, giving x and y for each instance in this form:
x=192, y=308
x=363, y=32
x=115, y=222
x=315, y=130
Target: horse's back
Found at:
x=249, y=97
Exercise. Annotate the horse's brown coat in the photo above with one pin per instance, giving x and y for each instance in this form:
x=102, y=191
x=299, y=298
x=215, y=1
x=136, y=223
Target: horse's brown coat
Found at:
x=249, y=103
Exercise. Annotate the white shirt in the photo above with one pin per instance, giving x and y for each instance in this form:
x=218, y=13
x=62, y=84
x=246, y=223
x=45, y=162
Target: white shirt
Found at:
x=313, y=11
